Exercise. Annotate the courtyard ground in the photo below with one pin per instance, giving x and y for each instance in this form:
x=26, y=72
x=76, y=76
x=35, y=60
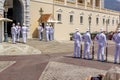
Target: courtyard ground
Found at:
x=40, y=60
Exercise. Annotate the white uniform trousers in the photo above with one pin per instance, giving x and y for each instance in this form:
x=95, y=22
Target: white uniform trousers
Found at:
x=24, y=35
x=76, y=49
x=13, y=38
x=18, y=36
x=51, y=36
x=100, y=52
x=117, y=53
x=47, y=35
x=86, y=50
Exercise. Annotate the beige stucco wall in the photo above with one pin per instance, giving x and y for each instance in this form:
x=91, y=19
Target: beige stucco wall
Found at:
x=63, y=30
x=35, y=15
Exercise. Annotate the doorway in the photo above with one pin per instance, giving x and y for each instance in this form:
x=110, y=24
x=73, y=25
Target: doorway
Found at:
x=15, y=12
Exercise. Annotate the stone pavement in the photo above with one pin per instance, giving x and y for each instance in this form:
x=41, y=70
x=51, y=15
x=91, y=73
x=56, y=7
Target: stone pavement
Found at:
x=17, y=49
x=50, y=61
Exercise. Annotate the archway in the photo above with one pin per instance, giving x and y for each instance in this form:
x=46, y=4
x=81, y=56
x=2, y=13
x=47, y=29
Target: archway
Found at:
x=15, y=12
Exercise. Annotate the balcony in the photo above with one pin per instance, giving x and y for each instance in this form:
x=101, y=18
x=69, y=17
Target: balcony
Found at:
x=71, y=3
x=81, y=5
x=59, y=1
x=89, y=6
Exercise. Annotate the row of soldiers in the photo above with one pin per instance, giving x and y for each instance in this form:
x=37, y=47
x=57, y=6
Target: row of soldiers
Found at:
x=102, y=43
x=16, y=30
x=49, y=32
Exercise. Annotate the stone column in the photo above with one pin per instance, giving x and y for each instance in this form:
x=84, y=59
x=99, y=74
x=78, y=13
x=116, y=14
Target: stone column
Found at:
x=76, y=3
x=1, y=6
x=94, y=2
x=27, y=15
x=85, y=4
x=1, y=32
x=100, y=4
x=65, y=2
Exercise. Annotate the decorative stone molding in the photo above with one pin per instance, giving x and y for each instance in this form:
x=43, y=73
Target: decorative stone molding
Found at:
x=59, y=11
x=26, y=8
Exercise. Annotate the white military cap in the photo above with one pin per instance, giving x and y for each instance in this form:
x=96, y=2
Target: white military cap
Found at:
x=118, y=29
x=40, y=24
x=13, y=24
x=23, y=24
x=77, y=29
x=47, y=24
x=87, y=29
x=18, y=23
x=101, y=29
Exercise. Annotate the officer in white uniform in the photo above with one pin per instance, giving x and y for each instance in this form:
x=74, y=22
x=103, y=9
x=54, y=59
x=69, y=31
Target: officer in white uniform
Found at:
x=77, y=41
x=87, y=41
x=51, y=32
x=18, y=27
x=47, y=28
x=101, y=39
x=116, y=39
x=13, y=32
x=24, y=32
x=40, y=32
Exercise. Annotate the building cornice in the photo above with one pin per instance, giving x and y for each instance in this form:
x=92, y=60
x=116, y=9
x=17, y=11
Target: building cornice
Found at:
x=68, y=6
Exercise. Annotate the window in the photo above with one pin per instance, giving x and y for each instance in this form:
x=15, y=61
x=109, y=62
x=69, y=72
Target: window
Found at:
x=113, y=22
x=71, y=18
x=59, y=17
x=97, y=21
x=103, y=21
x=81, y=19
x=116, y=21
x=108, y=21
x=80, y=1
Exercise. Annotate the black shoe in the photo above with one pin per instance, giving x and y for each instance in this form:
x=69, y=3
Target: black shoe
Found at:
x=115, y=62
x=103, y=61
x=89, y=59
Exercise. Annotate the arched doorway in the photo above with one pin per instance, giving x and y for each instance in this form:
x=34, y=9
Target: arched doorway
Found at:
x=15, y=12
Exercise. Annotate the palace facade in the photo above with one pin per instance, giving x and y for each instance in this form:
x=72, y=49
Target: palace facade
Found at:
x=65, y=15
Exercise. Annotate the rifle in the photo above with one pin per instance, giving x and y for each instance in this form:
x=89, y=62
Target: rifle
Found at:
x=106, y=51
x=81, y=51
x=93, y=50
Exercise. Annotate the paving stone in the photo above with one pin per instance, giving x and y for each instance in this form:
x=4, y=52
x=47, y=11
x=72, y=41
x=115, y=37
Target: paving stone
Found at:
x=17, y=49
x=62, y=71
x=5, y=64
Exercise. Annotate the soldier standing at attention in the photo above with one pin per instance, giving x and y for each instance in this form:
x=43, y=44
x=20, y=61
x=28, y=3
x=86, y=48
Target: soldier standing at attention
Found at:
x=40, y=32
x=13, y=32
x=87, y=41
x=51, y=32
x=101, y=39
x=116, y=39
x=47, y=28
x=77, y=41
x=18, y=27
x=24, y=33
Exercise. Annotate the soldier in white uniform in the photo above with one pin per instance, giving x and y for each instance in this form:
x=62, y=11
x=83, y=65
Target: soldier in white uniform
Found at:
x=51, y=32
x=77, y=41
x=101, y=39
x=116, y=39
x=40, y=32
x=13, y=32
x=18, y=27
x=47, y=28
x=24, y=32
x=87, y=41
